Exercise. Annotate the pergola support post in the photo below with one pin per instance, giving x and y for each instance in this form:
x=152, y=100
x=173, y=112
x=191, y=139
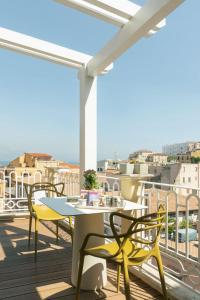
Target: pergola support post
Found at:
x=88, y=122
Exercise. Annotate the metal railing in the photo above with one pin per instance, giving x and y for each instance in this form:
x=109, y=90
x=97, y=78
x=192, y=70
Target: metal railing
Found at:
x=180, y=239
x=181, y=257
x=13, y=199
x=12, y=192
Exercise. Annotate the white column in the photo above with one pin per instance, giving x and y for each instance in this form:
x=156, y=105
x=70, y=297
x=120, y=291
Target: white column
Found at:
x=88, y=121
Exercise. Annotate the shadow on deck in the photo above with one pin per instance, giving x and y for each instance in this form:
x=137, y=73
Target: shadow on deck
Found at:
x=50, y=278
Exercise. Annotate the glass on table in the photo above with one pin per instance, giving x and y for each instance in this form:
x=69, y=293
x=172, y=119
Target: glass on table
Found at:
x=95, y=202
x=82, y=202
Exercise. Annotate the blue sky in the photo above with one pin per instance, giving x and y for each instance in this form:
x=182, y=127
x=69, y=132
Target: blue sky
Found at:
x=150, y=98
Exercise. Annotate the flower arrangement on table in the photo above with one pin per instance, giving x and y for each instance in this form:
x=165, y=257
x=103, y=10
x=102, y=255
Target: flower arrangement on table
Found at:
x=91, y=185
x=91, y=180
x=94, y=196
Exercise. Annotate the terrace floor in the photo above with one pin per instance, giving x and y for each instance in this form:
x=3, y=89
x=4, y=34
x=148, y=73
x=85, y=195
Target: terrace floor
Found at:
x=22, y=279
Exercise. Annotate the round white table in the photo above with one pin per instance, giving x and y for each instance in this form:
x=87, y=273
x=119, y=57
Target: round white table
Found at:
x=94, y=274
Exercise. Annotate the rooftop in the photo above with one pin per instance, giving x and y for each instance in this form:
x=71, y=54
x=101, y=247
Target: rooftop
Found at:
x=68, y=165
x=38, y=154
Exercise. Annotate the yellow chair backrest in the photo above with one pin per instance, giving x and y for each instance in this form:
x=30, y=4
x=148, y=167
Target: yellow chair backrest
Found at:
x=45, y=188
x=140, y=230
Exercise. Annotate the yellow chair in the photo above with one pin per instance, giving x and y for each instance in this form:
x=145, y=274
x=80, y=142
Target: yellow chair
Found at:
x=132, y=248
x=42, y=212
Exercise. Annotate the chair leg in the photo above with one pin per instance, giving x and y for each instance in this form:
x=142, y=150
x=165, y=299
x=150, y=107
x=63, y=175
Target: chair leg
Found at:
x=57, y=231
x=118, y=277
x=160, y=269
x=29, y=233
x=36, y=238
x=80, y=270
x=126, y=281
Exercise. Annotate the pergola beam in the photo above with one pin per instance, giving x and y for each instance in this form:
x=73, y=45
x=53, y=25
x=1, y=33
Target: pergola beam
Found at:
x=144, y=20
x=94, y=11
x=38, y=48
x=116, y=12
x=123, y=8
x=32, y=46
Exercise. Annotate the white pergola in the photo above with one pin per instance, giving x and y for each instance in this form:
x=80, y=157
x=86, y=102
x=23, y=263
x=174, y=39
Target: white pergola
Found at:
x=134, y=22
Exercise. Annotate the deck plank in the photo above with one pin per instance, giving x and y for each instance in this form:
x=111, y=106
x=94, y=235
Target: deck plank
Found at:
x=50, y=278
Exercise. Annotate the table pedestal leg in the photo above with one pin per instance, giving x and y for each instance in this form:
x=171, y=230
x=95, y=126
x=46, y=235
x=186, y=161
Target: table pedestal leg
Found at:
x=94, y=271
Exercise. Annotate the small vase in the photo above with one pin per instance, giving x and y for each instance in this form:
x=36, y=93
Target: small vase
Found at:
x=91, y=196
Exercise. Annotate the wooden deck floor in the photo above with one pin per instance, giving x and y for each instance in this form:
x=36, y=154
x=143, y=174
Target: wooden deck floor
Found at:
x=22, y=279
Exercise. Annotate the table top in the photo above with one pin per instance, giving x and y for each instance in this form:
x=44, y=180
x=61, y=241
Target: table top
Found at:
x=63, y=208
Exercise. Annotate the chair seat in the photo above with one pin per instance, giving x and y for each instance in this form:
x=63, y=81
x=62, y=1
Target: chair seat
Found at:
x=138, y=255
x=44, y=213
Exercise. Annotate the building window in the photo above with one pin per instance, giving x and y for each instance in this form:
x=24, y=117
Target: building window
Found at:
x=106, y=187
x=196, y=169
x=189, y=179
x=183, y=179
x=115, y=187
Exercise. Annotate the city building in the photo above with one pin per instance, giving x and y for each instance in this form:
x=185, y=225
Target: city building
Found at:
x=29, y=163
x=184, y=157
x=180, y=148
x=107, y=164
x=189, y=156
x=140, y=156
x=157, y=158
x=195, y=146
x=184, y=174
x=31, y=160
x=68, y=168
x=195, y=153
x=126, y=168
x=141, y=169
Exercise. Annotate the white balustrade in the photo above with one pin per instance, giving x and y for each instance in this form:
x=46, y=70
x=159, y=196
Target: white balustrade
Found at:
x=13, y=199
x=181, y=257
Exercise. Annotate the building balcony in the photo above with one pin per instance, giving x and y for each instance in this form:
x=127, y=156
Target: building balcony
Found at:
x=180, y=251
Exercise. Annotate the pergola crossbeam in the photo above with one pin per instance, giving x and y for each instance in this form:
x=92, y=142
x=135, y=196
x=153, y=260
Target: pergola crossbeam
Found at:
x=94, y=11
x=138, y=27
x=116, y=12
x=38, y=48
x=123, y=8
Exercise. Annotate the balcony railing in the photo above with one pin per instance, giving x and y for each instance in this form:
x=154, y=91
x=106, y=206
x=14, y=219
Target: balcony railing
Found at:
x=13, y=199
x=181, y=252
x=180, y=239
